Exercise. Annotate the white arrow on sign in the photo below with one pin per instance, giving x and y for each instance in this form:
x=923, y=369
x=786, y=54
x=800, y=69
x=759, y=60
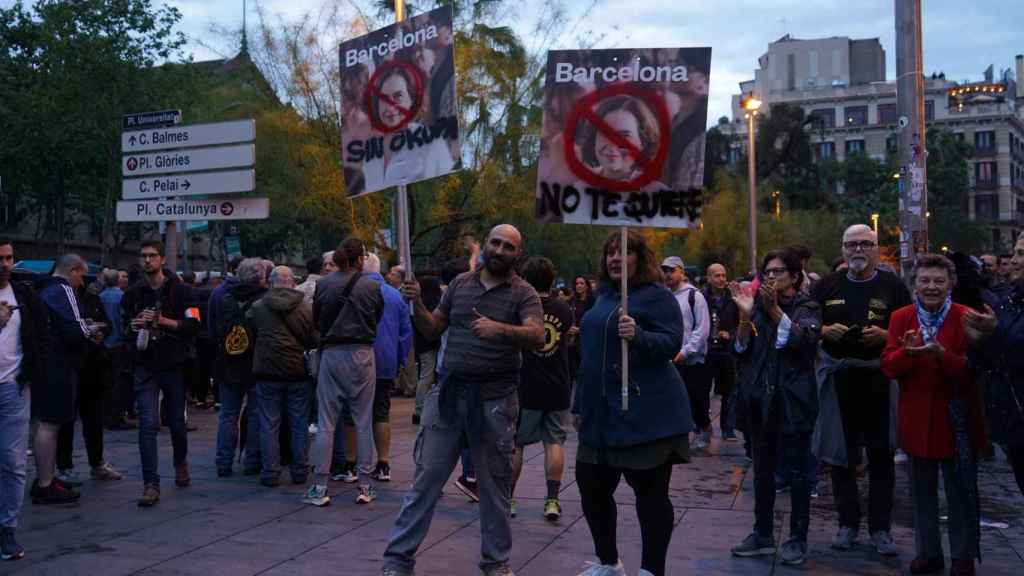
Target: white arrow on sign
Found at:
x=175, y=161
x=189, y=136
x=179, y=185
x=217, y=209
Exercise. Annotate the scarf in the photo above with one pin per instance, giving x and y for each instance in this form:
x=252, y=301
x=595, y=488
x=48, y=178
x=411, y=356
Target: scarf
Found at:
x=931, y=322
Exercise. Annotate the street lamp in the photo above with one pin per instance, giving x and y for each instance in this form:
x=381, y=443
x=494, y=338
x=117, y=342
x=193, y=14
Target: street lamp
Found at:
x=874, y=221
x=751, y=104
x=777, y=195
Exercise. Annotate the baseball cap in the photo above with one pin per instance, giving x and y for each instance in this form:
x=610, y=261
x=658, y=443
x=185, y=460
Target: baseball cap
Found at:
x=673, y=262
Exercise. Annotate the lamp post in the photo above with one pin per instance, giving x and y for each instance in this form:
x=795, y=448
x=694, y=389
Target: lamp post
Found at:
x=874, y=222
x=751, y=104
x=777, y=196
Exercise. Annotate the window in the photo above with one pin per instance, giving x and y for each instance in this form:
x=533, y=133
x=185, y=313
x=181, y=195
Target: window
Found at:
x=985, y=140
x=854, y=147
x=986, y=207
x=826, y=150
x=824, y=117
x=887, y=113
x=929, y=110
x=959, y=136
x=856, y=115
x=985, y=173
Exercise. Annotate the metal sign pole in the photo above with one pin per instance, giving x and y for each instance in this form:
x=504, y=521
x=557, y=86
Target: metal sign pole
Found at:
x=624, y=255
x=404, y=247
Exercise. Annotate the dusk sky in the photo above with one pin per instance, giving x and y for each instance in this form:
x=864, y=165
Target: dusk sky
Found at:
x=960, y=38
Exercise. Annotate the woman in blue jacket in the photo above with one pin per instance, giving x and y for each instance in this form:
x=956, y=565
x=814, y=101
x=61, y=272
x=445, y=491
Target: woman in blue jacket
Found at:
x=644, y=442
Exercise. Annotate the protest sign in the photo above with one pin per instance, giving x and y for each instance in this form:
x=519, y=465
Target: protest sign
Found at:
x=622, y=141
x=399, y=123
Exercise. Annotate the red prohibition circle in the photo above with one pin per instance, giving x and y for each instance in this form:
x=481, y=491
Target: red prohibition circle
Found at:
x=651, y=167
x=372, y=90
x=227, y=208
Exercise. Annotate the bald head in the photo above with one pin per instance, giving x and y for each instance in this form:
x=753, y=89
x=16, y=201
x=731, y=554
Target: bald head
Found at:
x=859, y=231
x=717, y=277
x=860, y=250
x=504, y=246
x=507, y=232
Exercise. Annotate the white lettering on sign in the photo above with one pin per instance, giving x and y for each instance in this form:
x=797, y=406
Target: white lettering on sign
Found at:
x=568, y=72
x=189, y=136
x=397, y=42
x=210, y=209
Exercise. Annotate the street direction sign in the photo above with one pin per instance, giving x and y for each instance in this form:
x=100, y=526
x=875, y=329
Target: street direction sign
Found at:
x=192, y=160
x=210, y=209
x=189, y=136
x=188, y=184
x=142, y=120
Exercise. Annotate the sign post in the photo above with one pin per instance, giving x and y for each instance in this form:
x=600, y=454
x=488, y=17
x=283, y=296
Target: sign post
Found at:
x=624, y=144
x=399, y=119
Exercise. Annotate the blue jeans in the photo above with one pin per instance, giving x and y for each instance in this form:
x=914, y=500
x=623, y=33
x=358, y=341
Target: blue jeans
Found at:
x=231, y=398
x=289, y=399
x=14, y=418
x=148, y=386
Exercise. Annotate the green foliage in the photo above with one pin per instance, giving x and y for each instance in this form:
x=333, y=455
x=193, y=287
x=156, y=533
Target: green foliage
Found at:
x=949, y=193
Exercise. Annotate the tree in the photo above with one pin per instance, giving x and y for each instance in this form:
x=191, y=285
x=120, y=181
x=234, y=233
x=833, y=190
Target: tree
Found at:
x=69, y=70
x=949, y=193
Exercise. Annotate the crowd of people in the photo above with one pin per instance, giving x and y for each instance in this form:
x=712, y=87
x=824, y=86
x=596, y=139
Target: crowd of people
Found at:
x=815, y=373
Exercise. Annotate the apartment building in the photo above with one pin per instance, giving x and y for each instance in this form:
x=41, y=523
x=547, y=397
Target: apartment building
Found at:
x=841, y=84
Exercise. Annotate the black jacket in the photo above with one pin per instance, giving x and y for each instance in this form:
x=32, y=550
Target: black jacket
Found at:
x=174, y=300
x=355, y=323
x=230, y=311
x=789, y=372
x=35, y=337
x=727, y=317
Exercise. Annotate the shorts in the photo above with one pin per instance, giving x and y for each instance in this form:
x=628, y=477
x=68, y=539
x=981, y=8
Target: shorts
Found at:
x=540, y=426
x=56, y=398
x=382, y=401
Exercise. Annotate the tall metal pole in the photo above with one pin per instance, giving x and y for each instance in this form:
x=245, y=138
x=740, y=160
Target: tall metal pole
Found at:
x=752, y=181
x=404, y=248
x=912, y=151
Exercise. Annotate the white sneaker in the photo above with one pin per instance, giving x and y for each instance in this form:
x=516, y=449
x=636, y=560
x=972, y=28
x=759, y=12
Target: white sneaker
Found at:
x=313, y=429
x=366, y=495
x=70, y=477
x=598, y=569
x=901, y=457
x=317, y=496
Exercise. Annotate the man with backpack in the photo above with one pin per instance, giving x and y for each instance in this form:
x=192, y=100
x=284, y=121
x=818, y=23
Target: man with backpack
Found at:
x=347, y=306
x=690, y=359
x=161, y=319
x=237, y=343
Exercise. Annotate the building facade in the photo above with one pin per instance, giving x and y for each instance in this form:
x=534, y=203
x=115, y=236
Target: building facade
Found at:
x=841, y=84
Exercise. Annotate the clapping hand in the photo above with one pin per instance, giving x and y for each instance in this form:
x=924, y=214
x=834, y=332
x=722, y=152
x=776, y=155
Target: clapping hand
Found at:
x=913, y=344
x=743, y=298
x=980, y=325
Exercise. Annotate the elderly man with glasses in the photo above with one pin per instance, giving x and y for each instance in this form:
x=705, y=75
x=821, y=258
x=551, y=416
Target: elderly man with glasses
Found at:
x=856, y=305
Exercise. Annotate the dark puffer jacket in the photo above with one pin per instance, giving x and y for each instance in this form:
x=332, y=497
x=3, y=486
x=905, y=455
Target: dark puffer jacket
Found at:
x=282, y=323
x=787, y=372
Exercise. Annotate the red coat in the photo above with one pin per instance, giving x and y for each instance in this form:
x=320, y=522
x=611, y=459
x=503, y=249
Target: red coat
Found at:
x=926, y=386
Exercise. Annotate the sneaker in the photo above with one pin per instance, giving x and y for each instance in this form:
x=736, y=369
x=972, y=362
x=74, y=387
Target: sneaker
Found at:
x=382, y=472
x=150, y=496
x=182, y=477
x=794, y=552
x=500, y=570
x=105, y=472
x=392, y=571
x=900, y=457
x=469, y=488
x=69, y=477
x=699, y=443
x=512, y=507
x=55, y=493
x=730, y=436
x=346, y=474
x=317, y=496
x=782, y=489
x=927, y=565
x=816, y=490
x=9, y=547
x=313, y=429
x=552, y=510
x=366, y=495
x=884, y=544
x=754, y=545
x=845, y=538
x=598, y=569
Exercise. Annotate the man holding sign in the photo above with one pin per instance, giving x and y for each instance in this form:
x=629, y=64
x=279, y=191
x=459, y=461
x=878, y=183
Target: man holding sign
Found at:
x=491, y=315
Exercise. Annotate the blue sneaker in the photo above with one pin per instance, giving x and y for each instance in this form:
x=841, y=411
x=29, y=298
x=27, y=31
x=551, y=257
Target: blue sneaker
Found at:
x=9, y=547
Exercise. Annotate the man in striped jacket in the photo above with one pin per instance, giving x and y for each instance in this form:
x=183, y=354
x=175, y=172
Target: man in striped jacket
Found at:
x=54, y=398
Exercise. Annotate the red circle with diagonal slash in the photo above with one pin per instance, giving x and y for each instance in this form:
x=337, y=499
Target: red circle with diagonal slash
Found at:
x=650, y=167
x=227, y=208
x=415, y=91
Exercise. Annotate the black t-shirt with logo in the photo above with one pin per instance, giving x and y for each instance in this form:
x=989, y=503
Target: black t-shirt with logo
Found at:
x=858, y=303
x=544, y=378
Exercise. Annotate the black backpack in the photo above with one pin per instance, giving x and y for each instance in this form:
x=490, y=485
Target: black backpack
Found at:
x=238, y=343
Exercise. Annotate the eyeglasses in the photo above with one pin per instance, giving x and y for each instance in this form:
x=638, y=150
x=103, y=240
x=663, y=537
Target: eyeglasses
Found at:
x=148, y=255
x=863, y=245
x=771, y=272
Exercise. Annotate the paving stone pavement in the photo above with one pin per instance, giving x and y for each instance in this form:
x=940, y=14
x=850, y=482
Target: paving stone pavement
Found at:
x=234, y=526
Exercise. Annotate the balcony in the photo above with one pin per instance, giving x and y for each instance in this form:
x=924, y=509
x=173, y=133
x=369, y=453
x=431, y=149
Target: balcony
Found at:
x=984, y=151
x=989, y=184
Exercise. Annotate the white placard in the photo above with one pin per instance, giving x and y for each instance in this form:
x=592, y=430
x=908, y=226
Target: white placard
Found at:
x=179, y=185
x=183, y=210
x=189, y=136
x=194, y=160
